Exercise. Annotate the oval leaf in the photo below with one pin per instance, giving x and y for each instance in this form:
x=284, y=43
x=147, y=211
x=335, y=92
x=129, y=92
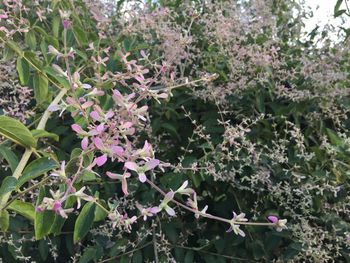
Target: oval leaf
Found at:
x=84, y=221
x=22, y=67
x=43, y=220
x=41, y=88
x=44, y=134
x=9, y=156
x=4, y=220
x=8, y=185
x=16, y=132
x=35, y=169
x=23, y=208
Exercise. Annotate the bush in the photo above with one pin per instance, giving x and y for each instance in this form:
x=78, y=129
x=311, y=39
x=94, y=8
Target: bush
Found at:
x=150, y=132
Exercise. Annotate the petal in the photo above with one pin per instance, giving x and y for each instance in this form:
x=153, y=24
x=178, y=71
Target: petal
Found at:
x=131, y=166
x=125, y=186
x=272, y=219
x=168, y=197
x=154, y=209
x=95, y=115
x=142, y=177
x=117, y=150
x=114, y=176
x=76, y=128
x=84, y=143
x=98, y=143
x=151, y=164
x=100, y=128
x=101, y=160
x=87, y=104
x=170, y=211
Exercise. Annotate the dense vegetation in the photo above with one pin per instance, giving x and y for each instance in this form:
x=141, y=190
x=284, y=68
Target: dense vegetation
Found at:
x=173, y=131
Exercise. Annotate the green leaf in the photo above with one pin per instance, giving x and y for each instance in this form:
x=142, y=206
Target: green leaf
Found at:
x=4, y=220
x=59, y=220
x=43, y=249
x=43, y=220
x=334, y=138
x=63, y=81
x=56, y=22
x=22, y=67
x=41, y=88
x=171, y=129
x=30, y=39
x=189, y=257
x=84, y=221
x=44, y=134
x=16, y=132
x=80, y=35
x=25, y=209
x=100, y=214
x=9, y=156
x=337, y=6
x=137, y=257
x=339, y=12
x=33, y=58
x=89, y=255
x=8, y=185
x=13, y=45
x=35, y=169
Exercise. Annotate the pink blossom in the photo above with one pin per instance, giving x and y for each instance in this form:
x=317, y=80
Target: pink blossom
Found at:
x=122, y=178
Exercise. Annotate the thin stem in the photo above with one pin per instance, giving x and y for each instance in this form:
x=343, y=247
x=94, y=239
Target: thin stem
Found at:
x=210, y=253
x=26, y=191
x=206, y=214
x=101, y=206
x=126, y=253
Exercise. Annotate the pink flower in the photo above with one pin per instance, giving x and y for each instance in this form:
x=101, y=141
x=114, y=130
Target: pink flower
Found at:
x=123, y=178
x=148, y=212
x=164, y=204
x=140, y=170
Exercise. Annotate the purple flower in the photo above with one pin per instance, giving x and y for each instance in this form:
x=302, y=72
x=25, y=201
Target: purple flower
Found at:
x=66, y=24
x=273, y=219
